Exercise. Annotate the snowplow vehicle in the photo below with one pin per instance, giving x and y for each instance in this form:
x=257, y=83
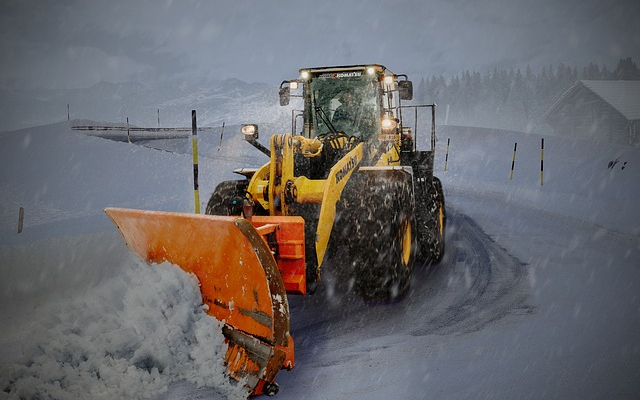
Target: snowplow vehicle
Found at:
x=348, y=188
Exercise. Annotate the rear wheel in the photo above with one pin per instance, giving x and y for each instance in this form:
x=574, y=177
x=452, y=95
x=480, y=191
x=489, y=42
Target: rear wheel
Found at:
x=432, y=220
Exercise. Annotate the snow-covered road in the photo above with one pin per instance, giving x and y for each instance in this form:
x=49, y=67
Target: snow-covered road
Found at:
x=525, y=305
x=538, y=295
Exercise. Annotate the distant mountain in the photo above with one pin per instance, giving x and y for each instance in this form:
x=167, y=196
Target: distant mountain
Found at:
x=232, y=101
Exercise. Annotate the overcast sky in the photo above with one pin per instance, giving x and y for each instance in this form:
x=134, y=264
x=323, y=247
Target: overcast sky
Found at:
x=77, y=43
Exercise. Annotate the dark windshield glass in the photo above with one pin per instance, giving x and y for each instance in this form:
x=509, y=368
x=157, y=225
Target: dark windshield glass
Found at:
x=345, y=101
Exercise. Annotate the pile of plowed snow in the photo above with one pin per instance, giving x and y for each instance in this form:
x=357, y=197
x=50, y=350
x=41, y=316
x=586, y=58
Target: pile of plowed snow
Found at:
x=82, y=317
x=129, y=337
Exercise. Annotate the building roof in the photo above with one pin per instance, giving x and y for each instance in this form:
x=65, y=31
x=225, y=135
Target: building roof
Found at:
x=624, y=96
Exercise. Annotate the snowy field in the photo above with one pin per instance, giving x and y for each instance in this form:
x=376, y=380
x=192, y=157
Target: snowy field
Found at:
x=538, y=296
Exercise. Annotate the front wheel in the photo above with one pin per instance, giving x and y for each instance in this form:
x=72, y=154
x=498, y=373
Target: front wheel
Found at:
x=381, y=236
x=227, y=198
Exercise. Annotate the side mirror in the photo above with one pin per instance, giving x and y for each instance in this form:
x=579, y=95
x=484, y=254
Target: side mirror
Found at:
x=405, y=90
x=285, y=95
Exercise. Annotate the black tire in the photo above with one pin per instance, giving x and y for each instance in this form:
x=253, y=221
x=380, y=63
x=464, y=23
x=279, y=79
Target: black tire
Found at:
x=432, y=219
x=377, y=235
x=227, y=198
x=271, y=389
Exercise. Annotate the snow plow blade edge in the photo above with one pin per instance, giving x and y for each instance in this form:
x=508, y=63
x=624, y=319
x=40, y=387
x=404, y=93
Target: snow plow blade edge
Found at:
x=239, y=281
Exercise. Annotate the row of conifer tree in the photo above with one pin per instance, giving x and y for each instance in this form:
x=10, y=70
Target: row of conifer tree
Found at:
x=510, y=99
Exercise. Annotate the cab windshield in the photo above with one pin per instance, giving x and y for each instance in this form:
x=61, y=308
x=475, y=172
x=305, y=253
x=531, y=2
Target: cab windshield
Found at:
x=344, y=102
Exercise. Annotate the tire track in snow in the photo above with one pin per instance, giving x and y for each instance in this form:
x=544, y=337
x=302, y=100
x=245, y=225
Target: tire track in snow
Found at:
x=478, y=282
x=483, y=282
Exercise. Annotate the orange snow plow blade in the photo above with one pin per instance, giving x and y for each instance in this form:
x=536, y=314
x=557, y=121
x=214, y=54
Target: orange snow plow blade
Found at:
x=239, y=281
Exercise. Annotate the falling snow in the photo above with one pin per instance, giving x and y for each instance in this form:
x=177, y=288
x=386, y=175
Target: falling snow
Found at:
x=537, y=296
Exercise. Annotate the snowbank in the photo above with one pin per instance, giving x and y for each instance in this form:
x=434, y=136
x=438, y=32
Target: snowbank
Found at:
x=594, y=182
x=64, y=178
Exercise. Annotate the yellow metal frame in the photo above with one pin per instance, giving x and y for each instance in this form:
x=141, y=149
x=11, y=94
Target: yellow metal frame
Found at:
x=275, y=187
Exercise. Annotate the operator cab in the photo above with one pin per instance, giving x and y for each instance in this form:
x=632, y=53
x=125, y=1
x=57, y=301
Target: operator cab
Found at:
x=361, y=101
x=347, y=102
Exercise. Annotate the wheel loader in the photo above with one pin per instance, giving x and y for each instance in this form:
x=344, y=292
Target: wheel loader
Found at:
x=347, y=188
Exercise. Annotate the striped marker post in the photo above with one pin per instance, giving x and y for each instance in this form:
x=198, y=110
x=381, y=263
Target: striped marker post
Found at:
x=221, y=133
x=513, y=162
x=20, y=219
x=446, y=156
x=542, y=163
x=194, y=146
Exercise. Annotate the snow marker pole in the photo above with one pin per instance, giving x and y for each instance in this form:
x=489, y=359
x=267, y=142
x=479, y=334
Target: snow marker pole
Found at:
x=221, y=133
x=513, y=162
x=128, y=137
x=20, y=219
x=542, y=163
x=158, y=118
x=194, y=146
x=446, y=156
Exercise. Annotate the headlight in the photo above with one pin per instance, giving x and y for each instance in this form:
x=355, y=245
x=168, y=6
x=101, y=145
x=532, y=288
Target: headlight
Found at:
x=389, y=124
x=250, y=131
x=293, y=85
x=388, y=79
x=304, y=75
x=371, y=70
